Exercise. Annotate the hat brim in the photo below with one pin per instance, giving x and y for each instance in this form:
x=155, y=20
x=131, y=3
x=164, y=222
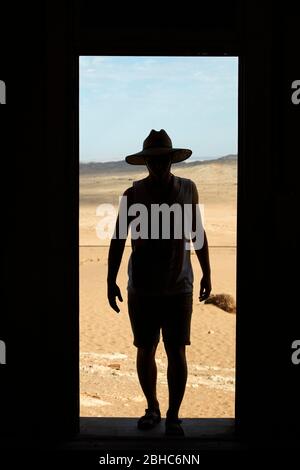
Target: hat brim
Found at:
x=178, y=155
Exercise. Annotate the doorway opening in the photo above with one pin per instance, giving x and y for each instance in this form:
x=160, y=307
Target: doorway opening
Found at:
x=121, y=98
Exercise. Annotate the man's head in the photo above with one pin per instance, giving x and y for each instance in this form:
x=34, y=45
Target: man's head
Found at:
x=157, y=146
x=158, y=166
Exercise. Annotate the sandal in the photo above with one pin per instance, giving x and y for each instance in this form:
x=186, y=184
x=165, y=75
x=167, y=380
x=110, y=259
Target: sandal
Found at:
x=150, y=419
x=173, y=427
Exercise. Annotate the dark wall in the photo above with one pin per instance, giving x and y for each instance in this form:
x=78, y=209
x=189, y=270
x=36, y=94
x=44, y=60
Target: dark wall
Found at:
x=268, y=320
x=39, y=318
x=39, y=321
x=23, y=201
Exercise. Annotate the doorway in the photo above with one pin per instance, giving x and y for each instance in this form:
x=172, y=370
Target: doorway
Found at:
x=121, y=99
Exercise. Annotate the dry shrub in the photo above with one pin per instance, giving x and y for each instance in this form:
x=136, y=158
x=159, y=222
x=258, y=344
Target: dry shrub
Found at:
x=224, y=301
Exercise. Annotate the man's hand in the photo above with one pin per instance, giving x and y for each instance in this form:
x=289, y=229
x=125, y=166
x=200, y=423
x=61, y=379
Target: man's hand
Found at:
x=113, y=291
x=205, y=288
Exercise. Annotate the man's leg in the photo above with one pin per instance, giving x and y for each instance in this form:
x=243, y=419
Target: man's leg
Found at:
x=177, y=377
x=147, y=374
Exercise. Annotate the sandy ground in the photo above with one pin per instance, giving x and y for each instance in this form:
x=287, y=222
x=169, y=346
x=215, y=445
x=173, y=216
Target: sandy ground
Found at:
x=109, y=384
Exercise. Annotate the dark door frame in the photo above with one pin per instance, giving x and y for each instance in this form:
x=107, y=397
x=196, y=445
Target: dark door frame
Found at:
x=193, y=52
x=242, y=41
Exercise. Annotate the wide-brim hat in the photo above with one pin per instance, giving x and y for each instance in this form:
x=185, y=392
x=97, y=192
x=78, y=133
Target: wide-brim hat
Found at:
x=156, y=144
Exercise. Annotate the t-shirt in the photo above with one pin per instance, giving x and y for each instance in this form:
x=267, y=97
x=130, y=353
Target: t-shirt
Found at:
x=162, y=266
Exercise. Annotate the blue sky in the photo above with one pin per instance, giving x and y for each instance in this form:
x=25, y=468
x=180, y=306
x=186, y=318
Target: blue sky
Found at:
x=195, y=99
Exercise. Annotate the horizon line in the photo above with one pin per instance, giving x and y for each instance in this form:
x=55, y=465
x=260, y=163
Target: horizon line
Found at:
x=189, y=159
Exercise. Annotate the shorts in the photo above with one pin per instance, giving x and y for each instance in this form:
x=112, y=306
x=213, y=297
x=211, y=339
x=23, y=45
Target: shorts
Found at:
x=171, y=313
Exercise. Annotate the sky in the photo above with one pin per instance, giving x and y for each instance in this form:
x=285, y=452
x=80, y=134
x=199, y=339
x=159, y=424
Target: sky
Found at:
x=195, y=99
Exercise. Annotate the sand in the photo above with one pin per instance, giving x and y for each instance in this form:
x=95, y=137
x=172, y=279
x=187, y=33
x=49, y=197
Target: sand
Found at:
x=109, y=383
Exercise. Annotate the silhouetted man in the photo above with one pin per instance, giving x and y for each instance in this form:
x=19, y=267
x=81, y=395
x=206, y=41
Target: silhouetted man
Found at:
x=163, y=214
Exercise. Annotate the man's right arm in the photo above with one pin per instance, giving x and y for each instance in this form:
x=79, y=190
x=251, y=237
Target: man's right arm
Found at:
x=115, y=253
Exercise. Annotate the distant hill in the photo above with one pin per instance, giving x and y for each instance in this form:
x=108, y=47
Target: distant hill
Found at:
x=123, y=166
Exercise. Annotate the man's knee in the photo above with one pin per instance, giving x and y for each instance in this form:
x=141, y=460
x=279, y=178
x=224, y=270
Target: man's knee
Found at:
x=175, y=350
x=147, y=350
